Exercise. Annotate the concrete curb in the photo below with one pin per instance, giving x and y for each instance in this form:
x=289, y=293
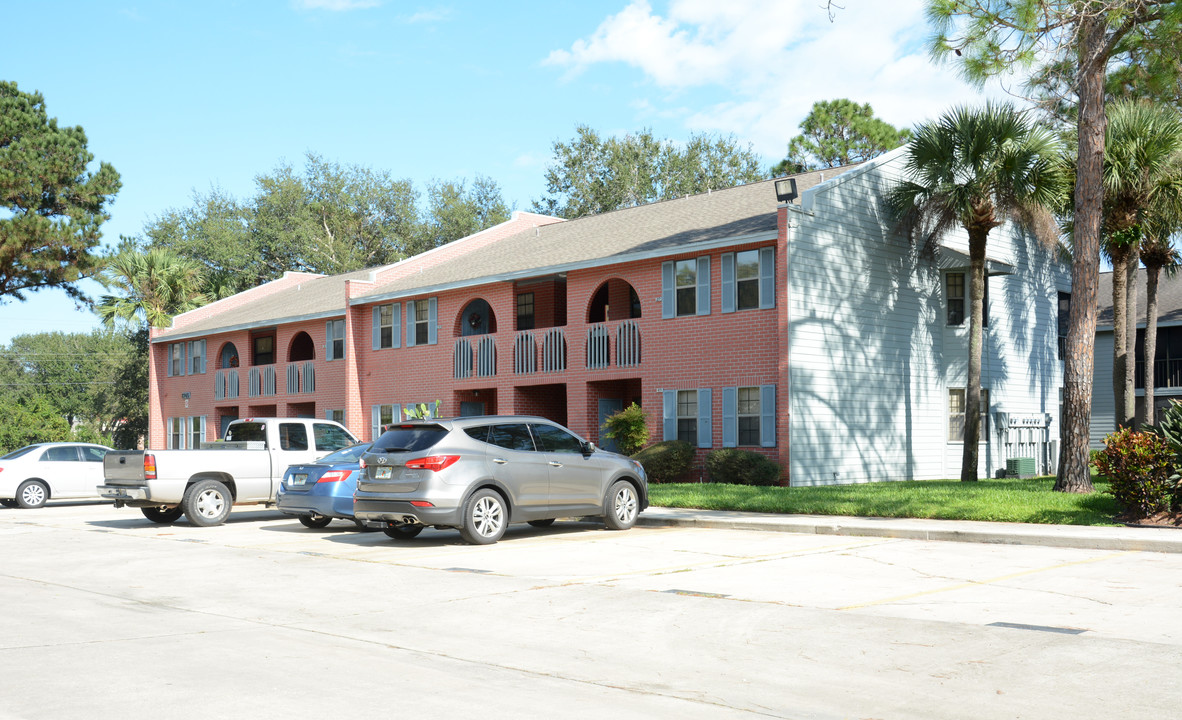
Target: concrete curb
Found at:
x=1148, y=539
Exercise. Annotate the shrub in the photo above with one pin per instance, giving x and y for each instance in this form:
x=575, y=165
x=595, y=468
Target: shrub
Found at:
x=1093, y=456
x=629, y=428
x=1140, y=469
x=741, y=467
x=666, y=461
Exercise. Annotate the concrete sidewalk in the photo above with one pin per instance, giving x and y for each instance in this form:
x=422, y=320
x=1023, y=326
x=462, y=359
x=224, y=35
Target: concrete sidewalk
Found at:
x=1151, y=539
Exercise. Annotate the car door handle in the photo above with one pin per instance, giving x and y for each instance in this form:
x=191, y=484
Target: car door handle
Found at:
x=500, y=461
x=555, y=464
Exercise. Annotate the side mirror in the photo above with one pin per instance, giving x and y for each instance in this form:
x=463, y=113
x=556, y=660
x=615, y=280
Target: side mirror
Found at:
x=588, y=448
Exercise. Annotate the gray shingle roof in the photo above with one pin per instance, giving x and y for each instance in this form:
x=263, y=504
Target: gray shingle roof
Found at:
x=1169, y=299
x=657, y=228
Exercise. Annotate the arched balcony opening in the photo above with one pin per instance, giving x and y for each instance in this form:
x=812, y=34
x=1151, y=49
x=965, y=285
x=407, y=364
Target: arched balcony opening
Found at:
x=301, y=348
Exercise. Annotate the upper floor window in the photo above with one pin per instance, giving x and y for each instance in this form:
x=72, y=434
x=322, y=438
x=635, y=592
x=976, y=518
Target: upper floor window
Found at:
x=335, y=339
x=386, y=320
x=176, y=359
x=685, y=273
x=525, y=311
x=747, y=279
x=196, y=357
x=955, y=295
x=264, y=350
x=421, y=322
x=685, y=287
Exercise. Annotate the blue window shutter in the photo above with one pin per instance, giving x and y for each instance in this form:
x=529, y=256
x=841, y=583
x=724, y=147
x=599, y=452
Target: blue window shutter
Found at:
x=767, y=415
x=168, y=349
x=728, y=282
x=704, y=285
x=184, y=359
x=767, y=277
x=203, y=425
x=377, y=327
x=328, y=414
x=669, y=415
x=410, y=323
x=730, y=417
x=376, y=422
x=668, y=297
x=705, y=421
x=432, y=321
x=203, y=358
x=396, y=329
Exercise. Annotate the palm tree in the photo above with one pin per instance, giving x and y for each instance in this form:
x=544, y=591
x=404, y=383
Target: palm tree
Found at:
x=1141, y=158
x=157, y=284
x=977, y=168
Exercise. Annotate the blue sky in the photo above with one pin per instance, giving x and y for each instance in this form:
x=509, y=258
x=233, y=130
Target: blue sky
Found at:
x=184, y=96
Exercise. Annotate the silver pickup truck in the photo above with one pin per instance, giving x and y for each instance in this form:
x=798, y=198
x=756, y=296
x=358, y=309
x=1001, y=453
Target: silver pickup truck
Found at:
x=244, y=469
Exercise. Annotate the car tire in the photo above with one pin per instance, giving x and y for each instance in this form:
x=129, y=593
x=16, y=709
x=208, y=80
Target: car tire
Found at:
x=621, y=506
x=314, y=521
x=544, y=522
x=163, y=515
x=31, y=494
x=402, y=532
x=485, y=518
x=207, y=503
x=9, y=502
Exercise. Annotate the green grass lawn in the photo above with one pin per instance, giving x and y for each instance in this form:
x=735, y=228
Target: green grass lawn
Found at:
x=1009, y=500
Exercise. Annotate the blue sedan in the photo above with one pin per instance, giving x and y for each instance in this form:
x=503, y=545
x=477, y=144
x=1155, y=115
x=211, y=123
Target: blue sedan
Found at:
x=320, y=491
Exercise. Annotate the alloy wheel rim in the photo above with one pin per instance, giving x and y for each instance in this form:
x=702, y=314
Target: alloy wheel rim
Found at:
x=625, y=504
x=487, y=517
x=210, y=503
x=33, y=494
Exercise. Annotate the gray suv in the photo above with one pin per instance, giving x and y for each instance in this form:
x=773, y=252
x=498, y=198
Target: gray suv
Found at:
x=478, y=474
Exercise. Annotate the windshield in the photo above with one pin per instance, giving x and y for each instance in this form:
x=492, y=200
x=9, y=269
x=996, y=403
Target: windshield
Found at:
x=346, y=455
x=409, y=438
x=17, y=453
x=247, y=431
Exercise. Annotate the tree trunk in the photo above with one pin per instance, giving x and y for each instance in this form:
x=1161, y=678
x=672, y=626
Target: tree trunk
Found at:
x=1151, y=276
x=1089, y=196
x=1130, y=388
x=1120, y=332
x=972, y=393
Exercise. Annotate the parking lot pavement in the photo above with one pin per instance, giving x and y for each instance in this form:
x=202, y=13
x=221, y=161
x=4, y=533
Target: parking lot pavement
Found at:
x=106, y=615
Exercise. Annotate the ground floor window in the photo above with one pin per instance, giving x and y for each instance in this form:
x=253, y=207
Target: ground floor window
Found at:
x=687, y=416
x=956, y=411
x=335, y=416
x=749, y=412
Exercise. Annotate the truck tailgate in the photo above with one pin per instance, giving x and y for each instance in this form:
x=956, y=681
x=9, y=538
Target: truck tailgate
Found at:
x=124, y=467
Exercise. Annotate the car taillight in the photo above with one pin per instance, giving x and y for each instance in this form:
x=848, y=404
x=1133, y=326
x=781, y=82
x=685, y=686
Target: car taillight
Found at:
x=434, y=463
x=149, y=467
x=362, y=463
x=422, y=503
x=333, y=476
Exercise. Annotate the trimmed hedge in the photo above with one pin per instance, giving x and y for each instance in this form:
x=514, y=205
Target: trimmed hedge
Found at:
x=741, y=467
x=666, y=461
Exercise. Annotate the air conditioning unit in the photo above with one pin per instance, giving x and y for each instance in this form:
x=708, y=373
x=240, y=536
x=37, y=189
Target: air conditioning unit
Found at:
x=1020, y=467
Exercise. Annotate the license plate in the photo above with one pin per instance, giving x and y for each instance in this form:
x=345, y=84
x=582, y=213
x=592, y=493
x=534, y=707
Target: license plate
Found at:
x=299, y=478
x=382, y=473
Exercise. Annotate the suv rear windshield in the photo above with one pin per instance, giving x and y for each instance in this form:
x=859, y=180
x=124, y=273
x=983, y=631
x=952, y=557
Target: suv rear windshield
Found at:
x=409, y=438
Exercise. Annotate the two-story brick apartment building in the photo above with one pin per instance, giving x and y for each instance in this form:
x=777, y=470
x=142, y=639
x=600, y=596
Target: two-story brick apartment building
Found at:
x=733, y=317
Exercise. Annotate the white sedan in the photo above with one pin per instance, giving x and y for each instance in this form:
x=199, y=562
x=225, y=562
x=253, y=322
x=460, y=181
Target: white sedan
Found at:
x=58, y=471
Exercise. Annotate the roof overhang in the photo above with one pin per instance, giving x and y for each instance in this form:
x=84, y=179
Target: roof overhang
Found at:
x=267, y=323
x=950, y=259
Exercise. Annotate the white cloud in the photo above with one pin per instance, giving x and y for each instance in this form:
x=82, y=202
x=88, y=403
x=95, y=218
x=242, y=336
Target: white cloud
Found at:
x=428, y=16
x=775, y=58
x=336, y=5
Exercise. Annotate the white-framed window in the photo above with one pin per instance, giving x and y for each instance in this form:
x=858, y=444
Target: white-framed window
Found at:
x=175, y=439
x=687, y=416
x=196, y=431
x=956, y=411
x=335, y=339
x=748, y=416
x=685, y=287
x=1064, y=322
x=176, y=359
x=335, y=416
x=746, y=280
x=385, y=326
x=196, y=357
x=685, y=277
x=422, y=323
x=382, y=415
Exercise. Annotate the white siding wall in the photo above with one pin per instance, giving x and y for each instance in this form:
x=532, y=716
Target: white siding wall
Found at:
x=871, y=357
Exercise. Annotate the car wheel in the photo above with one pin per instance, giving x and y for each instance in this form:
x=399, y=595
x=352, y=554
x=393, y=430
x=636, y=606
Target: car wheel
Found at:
x=9, y=503
x=544, y=522
x=402, y=532
x=622, y=506
x=207, y=503
x=314, y=521
x=31, y=494
x=163, y=515
x=485, y=518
